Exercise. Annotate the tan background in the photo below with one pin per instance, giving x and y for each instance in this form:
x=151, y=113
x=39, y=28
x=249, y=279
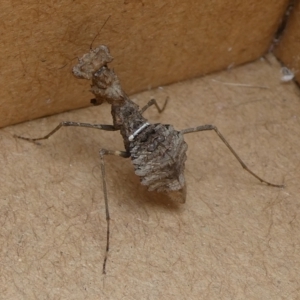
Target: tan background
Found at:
x=234, y=238
x=154, y=43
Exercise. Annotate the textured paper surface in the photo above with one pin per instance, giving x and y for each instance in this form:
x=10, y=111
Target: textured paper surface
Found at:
x=234, y=238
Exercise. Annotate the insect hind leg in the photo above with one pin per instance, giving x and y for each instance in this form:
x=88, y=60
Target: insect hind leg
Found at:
x=102, y=153
x=213, y=127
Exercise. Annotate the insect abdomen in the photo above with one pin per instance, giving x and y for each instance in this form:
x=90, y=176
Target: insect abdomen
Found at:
x=159, y=158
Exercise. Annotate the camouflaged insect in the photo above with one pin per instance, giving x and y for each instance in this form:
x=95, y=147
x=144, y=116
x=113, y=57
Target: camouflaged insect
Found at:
x=157, y=151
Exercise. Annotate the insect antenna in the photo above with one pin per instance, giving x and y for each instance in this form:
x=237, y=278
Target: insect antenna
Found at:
x=91, y=45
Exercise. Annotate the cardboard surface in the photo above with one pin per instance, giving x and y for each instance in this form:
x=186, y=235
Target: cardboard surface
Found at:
x=154, y=43
x=288, y=50
x=234, y=238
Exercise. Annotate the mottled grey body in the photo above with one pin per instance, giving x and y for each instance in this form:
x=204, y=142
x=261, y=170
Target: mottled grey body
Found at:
x=158, y=155
x=158, y=152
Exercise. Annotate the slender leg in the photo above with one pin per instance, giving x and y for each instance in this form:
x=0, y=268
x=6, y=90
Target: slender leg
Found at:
x=212, y=127
x=68, y=123
x=153, y=101
x=102, y=153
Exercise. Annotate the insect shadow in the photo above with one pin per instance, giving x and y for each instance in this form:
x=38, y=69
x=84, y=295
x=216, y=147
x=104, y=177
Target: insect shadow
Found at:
x=157, y=151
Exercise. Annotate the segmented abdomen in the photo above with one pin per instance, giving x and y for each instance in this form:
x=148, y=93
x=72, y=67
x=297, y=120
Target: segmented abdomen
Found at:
x=158, y=155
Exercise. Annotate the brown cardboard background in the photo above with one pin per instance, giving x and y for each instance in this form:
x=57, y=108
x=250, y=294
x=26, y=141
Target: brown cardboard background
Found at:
x=288, y=50
x=154, y=43
x=234, y=238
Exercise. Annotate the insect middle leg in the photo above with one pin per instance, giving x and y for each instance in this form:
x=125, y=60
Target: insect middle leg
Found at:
x=68, y=123
x=104, y=152
x=212, y=127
